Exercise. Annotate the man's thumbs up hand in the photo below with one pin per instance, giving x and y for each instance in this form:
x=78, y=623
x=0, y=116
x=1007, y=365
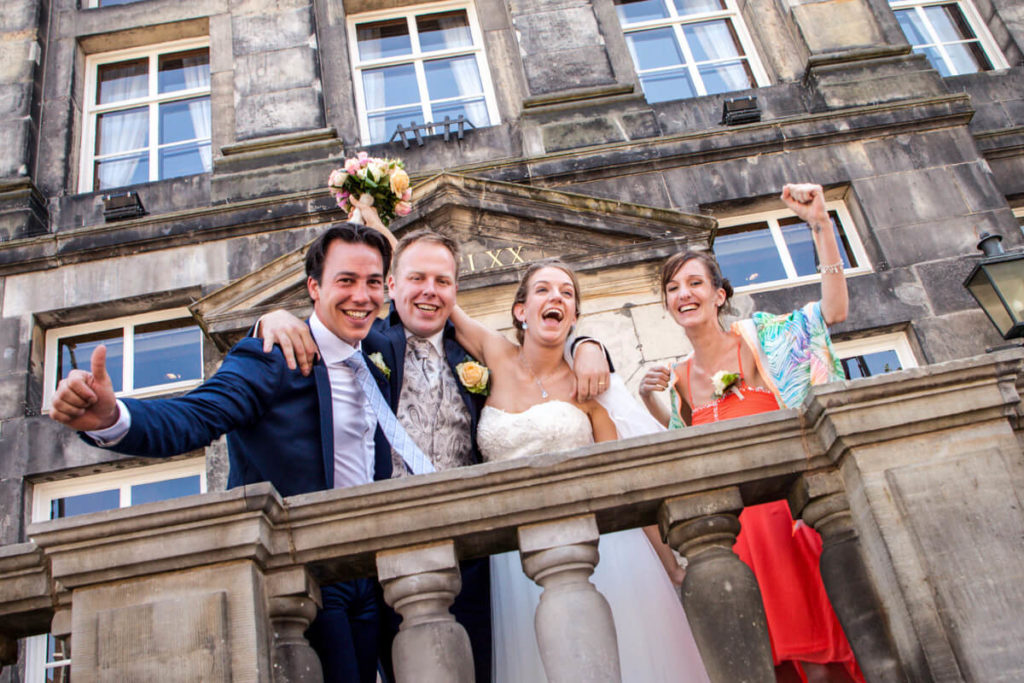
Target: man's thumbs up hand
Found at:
x=85, y=400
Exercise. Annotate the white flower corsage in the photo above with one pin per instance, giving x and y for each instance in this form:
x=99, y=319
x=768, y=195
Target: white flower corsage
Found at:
x=474, y=376
x=378, y=360
x=723, y=381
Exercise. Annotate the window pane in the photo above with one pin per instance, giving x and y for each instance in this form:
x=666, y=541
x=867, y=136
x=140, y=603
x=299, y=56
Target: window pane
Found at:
x=935, y=59
x=167, y=352
x=390, y=86
x=452, y=78
x=662, y=86
x=726, y=77
x=122, y=131
x=165, y=490
x=801, y=245
x=184, y=71
x=684, y=7
x=122, y=81
x=475, y=111
x=75, y=353
x=119, y=172
x=382, y=126
x=85, y=503
x=654, y=49
x=871, y=364
x=748, y=256
x=444, y=31
x=967, y=58
x=184, y=120
x=948, y=22
x=381, y=39
x=712, y=40
x=912, y=27
x=110, y=3
x=182, y=160
x=633, y=11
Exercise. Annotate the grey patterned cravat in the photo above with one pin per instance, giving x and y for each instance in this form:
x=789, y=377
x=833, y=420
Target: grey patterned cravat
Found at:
x=431, y=408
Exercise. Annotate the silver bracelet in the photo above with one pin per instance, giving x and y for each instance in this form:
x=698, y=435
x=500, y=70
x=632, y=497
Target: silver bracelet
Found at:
x=833, y=268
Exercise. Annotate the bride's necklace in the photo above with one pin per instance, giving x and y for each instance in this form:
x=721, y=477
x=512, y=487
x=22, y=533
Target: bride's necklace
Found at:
x=540, y=385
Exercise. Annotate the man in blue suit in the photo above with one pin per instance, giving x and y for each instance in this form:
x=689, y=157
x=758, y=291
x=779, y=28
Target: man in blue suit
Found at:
x=301, y=433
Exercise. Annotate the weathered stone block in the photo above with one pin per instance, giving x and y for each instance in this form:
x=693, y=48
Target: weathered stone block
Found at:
x=282, y=111
x=832, y=25
x=955, y=335
x=930, y=149
x=574, y=134
x=17, y=16
x=554, y=32
x=271, y=31
x=578, y=68
x=266, y=72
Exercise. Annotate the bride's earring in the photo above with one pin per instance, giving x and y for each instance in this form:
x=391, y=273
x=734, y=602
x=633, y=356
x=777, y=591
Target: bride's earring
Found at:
x=525, y=326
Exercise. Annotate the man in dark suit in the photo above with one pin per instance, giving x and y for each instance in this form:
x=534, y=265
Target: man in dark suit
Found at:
x=436, y=403
x=300, y=432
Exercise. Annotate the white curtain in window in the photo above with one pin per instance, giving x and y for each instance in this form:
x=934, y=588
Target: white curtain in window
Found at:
x=198, y=76
x=121, y=132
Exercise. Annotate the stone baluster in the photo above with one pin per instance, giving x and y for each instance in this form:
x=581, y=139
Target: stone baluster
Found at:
x=720, y=594
x=575, y=630
x=421, y=583
x=821, y=499
x=292, y=602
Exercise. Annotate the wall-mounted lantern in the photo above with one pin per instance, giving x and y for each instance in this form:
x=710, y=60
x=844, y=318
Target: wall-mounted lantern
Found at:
x=997, y=283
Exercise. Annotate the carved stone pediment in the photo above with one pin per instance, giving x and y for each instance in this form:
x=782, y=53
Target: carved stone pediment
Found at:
x=500, y=226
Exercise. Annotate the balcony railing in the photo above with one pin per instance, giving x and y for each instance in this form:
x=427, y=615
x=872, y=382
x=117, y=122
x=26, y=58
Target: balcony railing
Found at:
x=914, y=481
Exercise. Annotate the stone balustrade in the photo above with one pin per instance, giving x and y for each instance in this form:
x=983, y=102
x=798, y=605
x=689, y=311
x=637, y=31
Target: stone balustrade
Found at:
x=914, y=481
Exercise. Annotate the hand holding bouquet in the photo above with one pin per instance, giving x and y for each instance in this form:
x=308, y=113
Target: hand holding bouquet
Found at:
x=372, y=190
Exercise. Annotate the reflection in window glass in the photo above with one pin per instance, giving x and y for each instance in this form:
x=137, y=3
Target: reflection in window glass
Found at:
x=800, y=243
x=686, y=47
x=444, y=31
x=75, y=353
x=943, y=34
x=167, y=352
x=748, y=256
x=122, y=81
x=381, y=39
x=871, y=364
x=184, y=71
x=85, y=503
x=165, y=490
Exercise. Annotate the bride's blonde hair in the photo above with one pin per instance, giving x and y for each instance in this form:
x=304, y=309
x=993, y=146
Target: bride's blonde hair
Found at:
x=524, y=286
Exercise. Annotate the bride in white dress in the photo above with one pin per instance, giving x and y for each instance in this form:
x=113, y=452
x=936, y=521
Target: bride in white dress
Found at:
x=531, y=410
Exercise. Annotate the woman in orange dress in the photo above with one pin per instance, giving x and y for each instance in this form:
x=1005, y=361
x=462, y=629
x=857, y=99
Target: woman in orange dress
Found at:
x=758, y=365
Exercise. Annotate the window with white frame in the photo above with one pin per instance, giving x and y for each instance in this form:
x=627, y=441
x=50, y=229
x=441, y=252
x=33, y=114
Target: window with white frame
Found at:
x=876, y=355
x=689, y=48
x=951, y=35
x=772, y=249
x=420, y=66
x=147, y=354
x=147, y=115
x=45, y=657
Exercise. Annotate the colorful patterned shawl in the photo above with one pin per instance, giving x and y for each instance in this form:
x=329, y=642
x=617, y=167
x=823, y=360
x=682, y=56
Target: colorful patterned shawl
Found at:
x=793, y=351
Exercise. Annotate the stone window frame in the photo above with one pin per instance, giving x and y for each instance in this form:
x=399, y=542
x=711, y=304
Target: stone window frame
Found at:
x=974, y=20
x=730, y=13
x=837, y=209
x=410, y=12
x=127, y=324
x=37, y=664
x=892, y=341
x=90, y=110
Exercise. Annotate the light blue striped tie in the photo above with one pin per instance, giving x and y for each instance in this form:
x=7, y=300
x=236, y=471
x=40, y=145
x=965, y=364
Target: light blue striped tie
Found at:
x=415, y=460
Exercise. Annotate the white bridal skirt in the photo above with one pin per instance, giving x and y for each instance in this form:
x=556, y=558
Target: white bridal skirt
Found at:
x=655, y=642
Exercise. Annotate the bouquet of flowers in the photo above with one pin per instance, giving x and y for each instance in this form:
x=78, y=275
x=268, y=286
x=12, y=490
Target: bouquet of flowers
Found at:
x=366, y=182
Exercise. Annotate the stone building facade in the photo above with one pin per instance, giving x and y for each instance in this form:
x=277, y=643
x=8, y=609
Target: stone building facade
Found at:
x=155, y=152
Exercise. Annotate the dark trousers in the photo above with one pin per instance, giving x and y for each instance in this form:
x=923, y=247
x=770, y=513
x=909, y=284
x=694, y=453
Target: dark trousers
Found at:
x=345, y=632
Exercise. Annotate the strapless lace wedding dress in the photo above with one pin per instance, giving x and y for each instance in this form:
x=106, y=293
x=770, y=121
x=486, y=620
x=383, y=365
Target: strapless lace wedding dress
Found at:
x=655, y=642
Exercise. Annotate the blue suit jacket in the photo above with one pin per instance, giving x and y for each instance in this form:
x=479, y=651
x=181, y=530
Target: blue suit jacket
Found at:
x=279, y=423
x=388, y=337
